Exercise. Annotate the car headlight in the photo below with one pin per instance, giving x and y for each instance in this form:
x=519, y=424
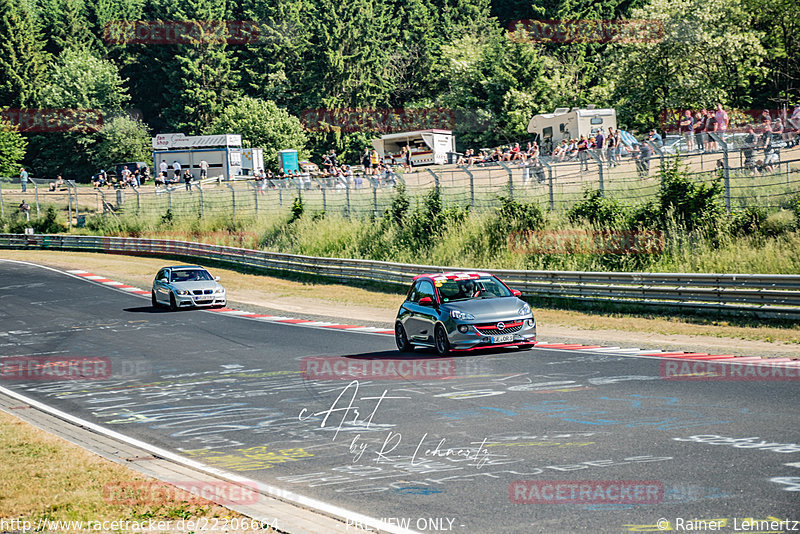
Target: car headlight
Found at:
x=524, y=310
x=462, y=316
x=181, y=292
x=220, y=290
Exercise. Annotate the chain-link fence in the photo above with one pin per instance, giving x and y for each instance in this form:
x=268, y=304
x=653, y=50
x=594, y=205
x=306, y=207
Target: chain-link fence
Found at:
x=750, y=176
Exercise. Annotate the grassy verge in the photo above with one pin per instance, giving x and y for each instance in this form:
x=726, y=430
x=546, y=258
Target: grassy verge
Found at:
x=45, y=478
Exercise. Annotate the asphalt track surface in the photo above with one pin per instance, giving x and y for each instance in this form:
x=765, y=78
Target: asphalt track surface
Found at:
x=438, y=449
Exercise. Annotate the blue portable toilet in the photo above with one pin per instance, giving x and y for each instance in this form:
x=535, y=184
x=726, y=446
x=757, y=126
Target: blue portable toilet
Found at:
x=287, y=160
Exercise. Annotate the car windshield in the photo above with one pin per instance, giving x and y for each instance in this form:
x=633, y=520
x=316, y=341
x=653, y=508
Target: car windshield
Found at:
x=190, y=275
x=474, y=288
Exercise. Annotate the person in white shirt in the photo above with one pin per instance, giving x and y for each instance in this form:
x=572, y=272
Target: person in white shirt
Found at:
x=176, y=169
x=164, y=168
x=203, y=169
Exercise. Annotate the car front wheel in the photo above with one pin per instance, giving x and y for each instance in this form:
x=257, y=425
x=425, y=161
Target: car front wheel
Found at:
x=173, y=306
x=401, y=339
x=153, y=300
x=441, y=341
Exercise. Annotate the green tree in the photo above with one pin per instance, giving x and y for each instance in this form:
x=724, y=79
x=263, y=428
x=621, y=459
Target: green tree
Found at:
x=710, y=53
x=275, y=65
x=122, y=139
x=196, y=79
x=78, y=80
x=353, y=64
x=66, y=25
x=780, y=29
x=262, y=125
x=12, y=148
x=23, y=61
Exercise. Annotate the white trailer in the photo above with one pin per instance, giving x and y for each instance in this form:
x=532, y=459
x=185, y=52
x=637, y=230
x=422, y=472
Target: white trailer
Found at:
x=428, y=147
x=252, y=160
x=566, y=123
x=222, y=152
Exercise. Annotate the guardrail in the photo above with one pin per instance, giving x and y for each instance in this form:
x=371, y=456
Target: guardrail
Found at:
x=755, y=294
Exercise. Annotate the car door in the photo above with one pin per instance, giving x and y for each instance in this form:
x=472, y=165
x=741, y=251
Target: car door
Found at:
x=421, y=319
x=161, y=288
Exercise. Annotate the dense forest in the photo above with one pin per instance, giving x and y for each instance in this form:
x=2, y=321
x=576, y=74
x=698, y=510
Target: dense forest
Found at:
x=465, y=56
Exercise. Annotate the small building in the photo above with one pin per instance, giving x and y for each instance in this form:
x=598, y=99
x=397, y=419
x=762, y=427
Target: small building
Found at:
x=428, y=147
x=566, y=123
x=222, y=152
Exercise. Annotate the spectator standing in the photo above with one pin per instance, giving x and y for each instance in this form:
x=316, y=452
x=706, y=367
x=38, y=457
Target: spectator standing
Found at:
x=610, y=148
x=203, y=169
x=647, y=154
x=700, y=130
x=23, y=179
x=365, y=161
x=176, y=170
x=164, y=168
x=766, y=135
x=526, y=170
x=187, y=180
x=599, y=140
x=374, y=161
x=750, y=141
x=721, y=116
x=793, y=124
x=583, y=157
x=711, y=128
x=686, y=127
x=125, y=175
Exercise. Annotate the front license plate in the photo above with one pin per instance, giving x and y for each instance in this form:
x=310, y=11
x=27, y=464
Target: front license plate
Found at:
x=503, y=339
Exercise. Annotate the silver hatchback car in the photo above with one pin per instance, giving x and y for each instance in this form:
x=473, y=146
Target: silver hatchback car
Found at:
x=187, y=286
x=460, y=311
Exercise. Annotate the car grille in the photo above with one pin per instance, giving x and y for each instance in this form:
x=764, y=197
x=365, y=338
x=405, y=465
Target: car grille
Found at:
x=492, y=330
x=202, y=291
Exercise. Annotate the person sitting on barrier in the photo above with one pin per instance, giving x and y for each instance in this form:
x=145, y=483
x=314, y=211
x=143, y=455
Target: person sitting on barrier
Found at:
x=58, y=185
x=25, y=208
x=771, y=160
x=98, y=180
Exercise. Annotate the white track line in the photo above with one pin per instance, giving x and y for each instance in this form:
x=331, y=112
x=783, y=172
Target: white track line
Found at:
x=268, y=489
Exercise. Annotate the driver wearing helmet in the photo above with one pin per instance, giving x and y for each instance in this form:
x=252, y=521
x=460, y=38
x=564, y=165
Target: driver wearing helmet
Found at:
x=470, y=289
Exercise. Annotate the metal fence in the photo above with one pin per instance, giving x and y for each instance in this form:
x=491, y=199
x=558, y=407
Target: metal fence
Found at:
x=752, y=294
x=747, y=177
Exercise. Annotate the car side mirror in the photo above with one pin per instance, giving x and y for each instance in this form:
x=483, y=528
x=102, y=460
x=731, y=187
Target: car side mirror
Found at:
x=425, y=301
x=516, y=292
x=164, y=280
x=216, y=278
